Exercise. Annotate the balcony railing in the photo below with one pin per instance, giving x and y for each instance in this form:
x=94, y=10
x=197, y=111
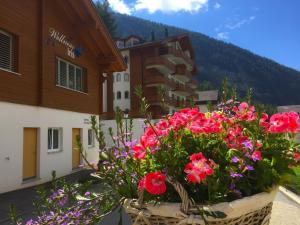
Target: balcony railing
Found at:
x=177, y=55
x=182, y=73
x=162, y=64
x=183, y=90
x=193, y=84
x=155, y=78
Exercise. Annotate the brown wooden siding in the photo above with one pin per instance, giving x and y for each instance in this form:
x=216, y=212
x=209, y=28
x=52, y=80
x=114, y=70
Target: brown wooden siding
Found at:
x=36, y=85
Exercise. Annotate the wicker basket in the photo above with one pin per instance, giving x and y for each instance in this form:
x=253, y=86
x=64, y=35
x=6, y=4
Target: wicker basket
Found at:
x=254, y=210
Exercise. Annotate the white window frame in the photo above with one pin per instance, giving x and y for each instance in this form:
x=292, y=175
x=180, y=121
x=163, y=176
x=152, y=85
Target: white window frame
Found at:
x=91, y=145
x=118, y=77
x=51, y=149
x=67, y=76
x=128, y=77
x=10, y=51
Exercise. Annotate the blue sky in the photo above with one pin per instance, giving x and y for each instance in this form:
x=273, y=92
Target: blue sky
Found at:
x=270, y=28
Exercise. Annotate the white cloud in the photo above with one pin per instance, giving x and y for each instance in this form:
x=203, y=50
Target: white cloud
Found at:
x=240, y=23
x=223, y=35
x=120, y=6
x=217, y=5
x=153, y=6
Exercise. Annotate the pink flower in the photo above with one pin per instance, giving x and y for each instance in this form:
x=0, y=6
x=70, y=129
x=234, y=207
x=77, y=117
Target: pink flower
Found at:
x=284, y=122
x=198, y=169
x=139, y=152
x=297, y=157
x=142, y=184
x=245, y=112
x=256, y=156
x=263, y=121
x=155, y=183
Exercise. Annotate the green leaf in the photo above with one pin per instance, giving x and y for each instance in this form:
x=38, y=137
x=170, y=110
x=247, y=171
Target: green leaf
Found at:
x=82, y=198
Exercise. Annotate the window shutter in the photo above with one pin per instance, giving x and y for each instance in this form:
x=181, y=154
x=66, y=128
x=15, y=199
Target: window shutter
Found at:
x=6, y=51
x=85, y=80
x=56, y=71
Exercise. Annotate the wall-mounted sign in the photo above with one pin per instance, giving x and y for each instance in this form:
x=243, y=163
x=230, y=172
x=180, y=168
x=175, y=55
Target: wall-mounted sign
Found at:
x=72, y=51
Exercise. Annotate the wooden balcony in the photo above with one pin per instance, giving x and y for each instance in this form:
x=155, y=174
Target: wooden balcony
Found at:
x=193, y=84
x=154, y=78
x=162, y=64
x=176, y=55
x=182, y=73
x=183, y=90
x=154, y=99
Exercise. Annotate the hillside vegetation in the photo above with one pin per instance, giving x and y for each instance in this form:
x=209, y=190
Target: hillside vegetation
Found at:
x=272, y=83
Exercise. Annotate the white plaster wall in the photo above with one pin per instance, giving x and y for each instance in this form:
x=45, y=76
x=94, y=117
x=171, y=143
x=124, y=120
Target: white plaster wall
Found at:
x=122, y=86
x=13, y=118
x=203, y=108
x=138, y=129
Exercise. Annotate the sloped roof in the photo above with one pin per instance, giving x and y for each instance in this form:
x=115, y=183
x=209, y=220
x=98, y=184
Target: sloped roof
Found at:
x=90, y=26
x=286, y=108
x=205, y=96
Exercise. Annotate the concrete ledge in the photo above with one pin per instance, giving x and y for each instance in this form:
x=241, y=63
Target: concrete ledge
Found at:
x=290, y=195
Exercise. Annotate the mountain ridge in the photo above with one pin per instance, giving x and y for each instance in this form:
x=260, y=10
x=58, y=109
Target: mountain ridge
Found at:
x=273, y=83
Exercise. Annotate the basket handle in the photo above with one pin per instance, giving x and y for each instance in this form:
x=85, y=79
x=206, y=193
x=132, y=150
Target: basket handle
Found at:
x=186, y=202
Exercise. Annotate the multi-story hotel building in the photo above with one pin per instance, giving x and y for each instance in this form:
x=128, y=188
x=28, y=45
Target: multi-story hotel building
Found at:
x=52, y=58
x=168, y=63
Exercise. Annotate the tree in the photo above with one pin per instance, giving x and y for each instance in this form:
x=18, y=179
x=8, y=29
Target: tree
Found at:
x=103, y=8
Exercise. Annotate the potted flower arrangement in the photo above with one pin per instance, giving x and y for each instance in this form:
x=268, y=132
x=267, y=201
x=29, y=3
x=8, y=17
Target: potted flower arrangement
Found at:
x=208, y=158
x=221, y=167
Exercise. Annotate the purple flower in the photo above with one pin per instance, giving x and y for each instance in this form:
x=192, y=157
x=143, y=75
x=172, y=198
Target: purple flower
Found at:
x=232, y=186
x=235, y=175
x=249, y=167
x=235, y=159
x=130, y=144
x=248, y=144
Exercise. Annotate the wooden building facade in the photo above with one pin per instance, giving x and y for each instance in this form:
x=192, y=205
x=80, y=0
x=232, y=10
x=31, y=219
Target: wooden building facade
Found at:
x=52, y=58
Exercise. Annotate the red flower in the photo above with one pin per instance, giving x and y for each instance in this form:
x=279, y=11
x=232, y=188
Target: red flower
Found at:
x=297, y=157
x=198, y=169
x=155, y=183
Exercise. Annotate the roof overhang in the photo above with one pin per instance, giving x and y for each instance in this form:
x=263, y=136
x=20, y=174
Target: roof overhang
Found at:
x=92, y=29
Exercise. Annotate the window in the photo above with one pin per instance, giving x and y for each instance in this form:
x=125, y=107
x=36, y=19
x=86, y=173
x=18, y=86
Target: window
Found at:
x=126, y=77
x=126, y=94
x=119, y=95
x=126, y=59
x=54, y=139
x=7, y=52
x=118, y=78
x=70, y=75
x=91, y=142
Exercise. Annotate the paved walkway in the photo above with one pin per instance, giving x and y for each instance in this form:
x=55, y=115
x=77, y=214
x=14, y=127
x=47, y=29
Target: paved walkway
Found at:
x=285, y=211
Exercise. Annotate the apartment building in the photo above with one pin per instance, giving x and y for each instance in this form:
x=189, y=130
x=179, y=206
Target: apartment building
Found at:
x=52, y=58
x=206, y=98
x=168, y=63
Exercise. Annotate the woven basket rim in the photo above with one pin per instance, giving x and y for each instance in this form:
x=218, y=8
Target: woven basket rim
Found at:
x=231, y=209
